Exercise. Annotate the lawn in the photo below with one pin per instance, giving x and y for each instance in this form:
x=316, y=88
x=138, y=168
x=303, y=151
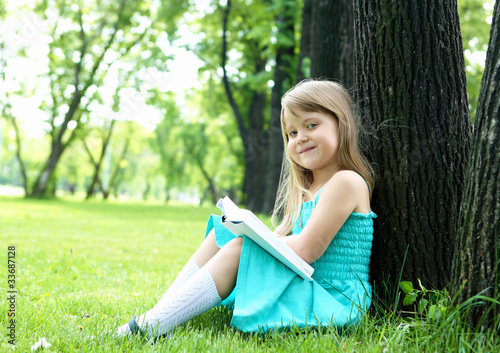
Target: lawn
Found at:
x=82, y=268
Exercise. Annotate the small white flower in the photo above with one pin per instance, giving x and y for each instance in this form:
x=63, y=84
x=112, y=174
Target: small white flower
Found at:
x=42, y=343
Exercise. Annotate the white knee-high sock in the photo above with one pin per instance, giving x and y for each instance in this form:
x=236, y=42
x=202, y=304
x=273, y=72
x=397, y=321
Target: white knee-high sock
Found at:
x=189, y=269
x=195, y=297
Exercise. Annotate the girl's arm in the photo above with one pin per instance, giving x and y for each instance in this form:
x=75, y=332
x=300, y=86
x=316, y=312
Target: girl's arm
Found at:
x=344, y=193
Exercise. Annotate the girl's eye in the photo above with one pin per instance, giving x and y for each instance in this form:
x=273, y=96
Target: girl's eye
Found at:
x=292, y=133
x=312, y=125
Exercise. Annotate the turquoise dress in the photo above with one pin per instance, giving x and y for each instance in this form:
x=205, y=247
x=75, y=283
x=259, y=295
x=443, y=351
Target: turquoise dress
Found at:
x=270, y=296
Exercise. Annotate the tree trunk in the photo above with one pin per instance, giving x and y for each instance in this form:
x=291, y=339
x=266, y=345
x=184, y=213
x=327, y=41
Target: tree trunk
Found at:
x=147, y=190
x=41, y=183
x=18, y=154
x=283, y=78
x=251, y=130
x=304, y=65
x=255, y=151
x=332, y=40
x=477, y=259
x=410, y=88
x=40, y=187
x=81, y=85
x=212, y=187
x=97, y=165
x=113, y=180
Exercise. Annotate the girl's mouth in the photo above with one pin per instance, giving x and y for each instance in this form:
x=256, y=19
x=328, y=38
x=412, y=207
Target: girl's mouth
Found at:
x=305, y=150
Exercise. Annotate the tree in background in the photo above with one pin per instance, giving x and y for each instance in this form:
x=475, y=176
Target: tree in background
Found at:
x=260, y=34
x=86, y=40
x=410, y=88
x=133, y=171
x=76, y=65
x=256, y=39
x=477, y=258
x=326, y=44
x=166, y=143
x=283, y=78
x=215, y=151
x=106, y=154
x=250, y=114
x=475, y=28
x=304, y=59
x=332, y=33
x=104, y=138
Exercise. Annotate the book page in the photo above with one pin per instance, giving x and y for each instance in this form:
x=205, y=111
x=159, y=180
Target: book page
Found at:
x=231, y=212
x=244, y=222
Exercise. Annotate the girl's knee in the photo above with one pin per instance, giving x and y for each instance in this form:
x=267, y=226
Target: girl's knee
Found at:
x=236, y=243
x=211, y=235
x=233, y=247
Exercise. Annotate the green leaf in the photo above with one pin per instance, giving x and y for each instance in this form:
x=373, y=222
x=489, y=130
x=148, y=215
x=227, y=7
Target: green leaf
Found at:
x=422, y=305
x=434, y=313
x=410, y=298
x=406, y=286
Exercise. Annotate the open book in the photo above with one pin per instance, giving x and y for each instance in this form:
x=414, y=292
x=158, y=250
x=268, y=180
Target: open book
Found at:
x=244, y=222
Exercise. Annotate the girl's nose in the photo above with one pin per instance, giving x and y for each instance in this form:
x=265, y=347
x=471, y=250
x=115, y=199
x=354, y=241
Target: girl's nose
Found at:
x=303, y=137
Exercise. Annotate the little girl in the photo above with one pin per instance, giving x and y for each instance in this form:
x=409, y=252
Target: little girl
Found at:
x=324, y=206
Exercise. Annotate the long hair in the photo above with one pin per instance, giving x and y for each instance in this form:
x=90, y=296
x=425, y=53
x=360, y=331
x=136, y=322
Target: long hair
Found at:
x=313, y=96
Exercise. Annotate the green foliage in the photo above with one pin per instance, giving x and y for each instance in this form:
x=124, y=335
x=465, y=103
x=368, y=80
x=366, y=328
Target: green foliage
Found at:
x=34, y=151
x=132, y=75
x=166, y=141
x=431, y=303
x=475, y=23
x=252, y=40
x=214, y=139
x=86, y=43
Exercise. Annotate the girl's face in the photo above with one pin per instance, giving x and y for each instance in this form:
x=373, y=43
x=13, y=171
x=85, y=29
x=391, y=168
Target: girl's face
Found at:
x=313, y=140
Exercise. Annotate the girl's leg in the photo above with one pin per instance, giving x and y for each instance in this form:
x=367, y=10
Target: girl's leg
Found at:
x=205, y=289
x=223, y=267
x=204, y=253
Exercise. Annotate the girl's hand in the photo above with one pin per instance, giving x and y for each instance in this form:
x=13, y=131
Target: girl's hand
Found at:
x=280, y=230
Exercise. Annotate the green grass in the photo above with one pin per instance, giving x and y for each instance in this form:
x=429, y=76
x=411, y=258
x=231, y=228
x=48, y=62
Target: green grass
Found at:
x=85, y=267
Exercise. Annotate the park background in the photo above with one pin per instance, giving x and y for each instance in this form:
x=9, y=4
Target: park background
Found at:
x=123, y=123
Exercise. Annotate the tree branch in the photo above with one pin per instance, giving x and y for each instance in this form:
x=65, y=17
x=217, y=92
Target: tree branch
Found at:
x=89, y=153
x=77, y=95
x=112, y=180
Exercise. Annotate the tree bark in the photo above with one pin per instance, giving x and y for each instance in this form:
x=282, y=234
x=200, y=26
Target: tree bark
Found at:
x=283, y=78
x=477, y=259
x=410, y=89
x=255, y=151
x=332, y=40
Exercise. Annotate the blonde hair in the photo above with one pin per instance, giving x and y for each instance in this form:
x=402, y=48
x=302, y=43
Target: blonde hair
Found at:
x=312, y=96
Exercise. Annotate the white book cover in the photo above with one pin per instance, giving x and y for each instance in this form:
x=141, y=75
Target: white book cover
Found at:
x=243, y=222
